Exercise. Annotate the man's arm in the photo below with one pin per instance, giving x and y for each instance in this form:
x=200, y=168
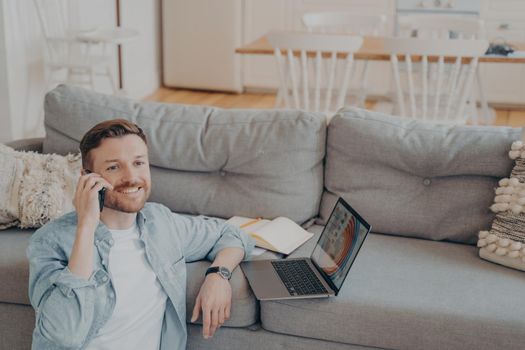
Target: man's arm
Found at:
x=62, y=288
x=215, y=295
x=63, y=301
x=88, y=217
x=204, y=237
x=225, y=245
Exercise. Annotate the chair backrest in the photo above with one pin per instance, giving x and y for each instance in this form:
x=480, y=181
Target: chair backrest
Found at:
x=344, y=22
x=440, y=94
x=441, y=26
x=312, y=66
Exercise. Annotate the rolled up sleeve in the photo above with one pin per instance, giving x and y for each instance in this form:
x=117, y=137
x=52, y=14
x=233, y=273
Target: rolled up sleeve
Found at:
x=63, y=301
x=204, y=237
x=232, y=237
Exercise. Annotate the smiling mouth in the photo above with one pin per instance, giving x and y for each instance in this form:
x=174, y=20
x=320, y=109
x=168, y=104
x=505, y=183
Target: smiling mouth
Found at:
x=131, y=190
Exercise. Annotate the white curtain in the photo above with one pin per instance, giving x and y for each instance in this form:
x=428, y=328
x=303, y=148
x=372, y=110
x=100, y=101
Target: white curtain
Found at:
x=22, y=61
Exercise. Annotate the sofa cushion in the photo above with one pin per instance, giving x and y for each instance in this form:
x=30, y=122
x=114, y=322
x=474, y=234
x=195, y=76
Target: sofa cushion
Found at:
x=17, y=324
x=14, y=267
x=405, y=293
x=208, y=160
x=32, y=144
x=415, y=178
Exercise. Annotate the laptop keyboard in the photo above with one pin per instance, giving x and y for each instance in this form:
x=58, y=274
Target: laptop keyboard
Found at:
x=298, y=277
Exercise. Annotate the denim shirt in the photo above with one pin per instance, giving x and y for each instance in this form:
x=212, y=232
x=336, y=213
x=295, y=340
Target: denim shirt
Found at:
x=70, y=310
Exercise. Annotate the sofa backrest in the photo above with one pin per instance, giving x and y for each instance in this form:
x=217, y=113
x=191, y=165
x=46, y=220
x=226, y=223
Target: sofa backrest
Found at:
x=208, y=160
x=415, y=178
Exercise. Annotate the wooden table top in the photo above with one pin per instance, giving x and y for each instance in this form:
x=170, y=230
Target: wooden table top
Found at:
x=372, y=49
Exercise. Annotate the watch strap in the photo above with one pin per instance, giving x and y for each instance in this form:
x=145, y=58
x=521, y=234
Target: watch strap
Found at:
x=217, y=269
x=212, y=269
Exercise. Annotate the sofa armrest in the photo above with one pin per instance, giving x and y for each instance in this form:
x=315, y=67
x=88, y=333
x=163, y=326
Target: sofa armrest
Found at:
x=34, y=144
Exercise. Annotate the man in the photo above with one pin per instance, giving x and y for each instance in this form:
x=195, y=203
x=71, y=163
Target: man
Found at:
x=116, y=278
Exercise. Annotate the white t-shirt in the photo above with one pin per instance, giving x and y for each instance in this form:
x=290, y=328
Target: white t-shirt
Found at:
x=136, y=322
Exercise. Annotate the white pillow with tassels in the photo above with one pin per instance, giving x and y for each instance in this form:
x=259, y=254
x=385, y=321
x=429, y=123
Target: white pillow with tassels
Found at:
x=35, y=188
x=505, y=242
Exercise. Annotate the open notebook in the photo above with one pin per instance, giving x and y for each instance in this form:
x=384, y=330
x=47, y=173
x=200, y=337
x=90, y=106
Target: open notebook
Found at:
x=280, y=235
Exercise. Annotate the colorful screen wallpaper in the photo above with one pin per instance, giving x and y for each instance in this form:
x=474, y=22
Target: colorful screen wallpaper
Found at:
x=339, y=244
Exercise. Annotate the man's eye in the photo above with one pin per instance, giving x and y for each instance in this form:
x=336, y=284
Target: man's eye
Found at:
x=139, y=162
x=113, y=167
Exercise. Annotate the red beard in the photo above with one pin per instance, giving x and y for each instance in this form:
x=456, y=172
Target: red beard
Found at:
x=127, y=202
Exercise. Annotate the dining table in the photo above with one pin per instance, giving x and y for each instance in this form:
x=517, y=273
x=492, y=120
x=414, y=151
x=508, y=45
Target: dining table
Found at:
x=373, y=49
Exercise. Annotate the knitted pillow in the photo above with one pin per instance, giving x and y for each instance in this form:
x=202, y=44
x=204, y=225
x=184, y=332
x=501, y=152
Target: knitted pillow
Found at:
x=35, y=188
x=505, y=242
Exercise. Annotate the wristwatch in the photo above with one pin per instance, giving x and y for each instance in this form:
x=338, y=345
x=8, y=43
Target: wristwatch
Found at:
x=221, y=270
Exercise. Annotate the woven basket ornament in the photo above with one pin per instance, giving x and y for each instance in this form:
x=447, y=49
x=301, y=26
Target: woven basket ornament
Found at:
x=505, y=242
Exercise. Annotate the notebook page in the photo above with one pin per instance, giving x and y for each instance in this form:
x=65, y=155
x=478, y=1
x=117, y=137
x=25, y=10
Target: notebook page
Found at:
x=284, y=234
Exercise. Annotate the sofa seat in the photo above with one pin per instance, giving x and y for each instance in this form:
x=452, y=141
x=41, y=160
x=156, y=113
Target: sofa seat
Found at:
x=236, y=338
x=14, y=274
x=406, y=293
x=14, y=267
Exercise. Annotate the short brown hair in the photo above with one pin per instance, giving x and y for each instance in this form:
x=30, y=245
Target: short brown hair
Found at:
x=107, y=129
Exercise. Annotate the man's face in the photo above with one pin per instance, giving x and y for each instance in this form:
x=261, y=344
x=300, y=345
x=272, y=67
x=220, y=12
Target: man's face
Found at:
x=123, y=162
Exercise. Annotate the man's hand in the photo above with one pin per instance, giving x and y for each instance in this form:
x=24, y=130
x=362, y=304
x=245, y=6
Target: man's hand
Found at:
x=214, y=299
x=86, y=199
x=215, y=296
x=88, y=215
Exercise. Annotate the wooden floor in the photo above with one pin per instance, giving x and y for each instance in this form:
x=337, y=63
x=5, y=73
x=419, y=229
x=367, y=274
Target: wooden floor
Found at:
x=511, y=117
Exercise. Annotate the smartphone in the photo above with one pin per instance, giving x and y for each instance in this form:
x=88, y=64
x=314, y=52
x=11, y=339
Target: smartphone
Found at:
x=101, y=193
x=101, y=197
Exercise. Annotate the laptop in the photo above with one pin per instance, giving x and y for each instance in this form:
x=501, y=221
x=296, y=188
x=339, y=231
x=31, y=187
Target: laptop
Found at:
x=321, y=275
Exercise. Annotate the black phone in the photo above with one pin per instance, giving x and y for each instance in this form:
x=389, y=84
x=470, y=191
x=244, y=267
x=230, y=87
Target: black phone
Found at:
x=101, y=197
x=101, y=194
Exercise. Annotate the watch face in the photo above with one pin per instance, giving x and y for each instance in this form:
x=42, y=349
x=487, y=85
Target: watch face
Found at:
x=224, y=272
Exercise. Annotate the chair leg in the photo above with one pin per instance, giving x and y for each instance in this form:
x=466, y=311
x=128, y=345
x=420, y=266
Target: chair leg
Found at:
x=111, y=80
x=92, y=78
x=474, y=115
x=68, y=76
x=361, y=99
x=279, y=98
x=485, y=112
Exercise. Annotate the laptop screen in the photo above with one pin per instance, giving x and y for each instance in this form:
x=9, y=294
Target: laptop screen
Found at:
x=339, y=243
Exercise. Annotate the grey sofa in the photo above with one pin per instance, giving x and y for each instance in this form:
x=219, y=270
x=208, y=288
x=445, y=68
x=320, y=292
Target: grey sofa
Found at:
x=417, y=282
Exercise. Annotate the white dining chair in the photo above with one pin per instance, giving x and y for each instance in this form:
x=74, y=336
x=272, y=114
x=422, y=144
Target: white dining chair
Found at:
x=345, y=22
x=68, y=59
x=441, y=97
x=317, y=81
x=440, y=26
x=349, y=23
